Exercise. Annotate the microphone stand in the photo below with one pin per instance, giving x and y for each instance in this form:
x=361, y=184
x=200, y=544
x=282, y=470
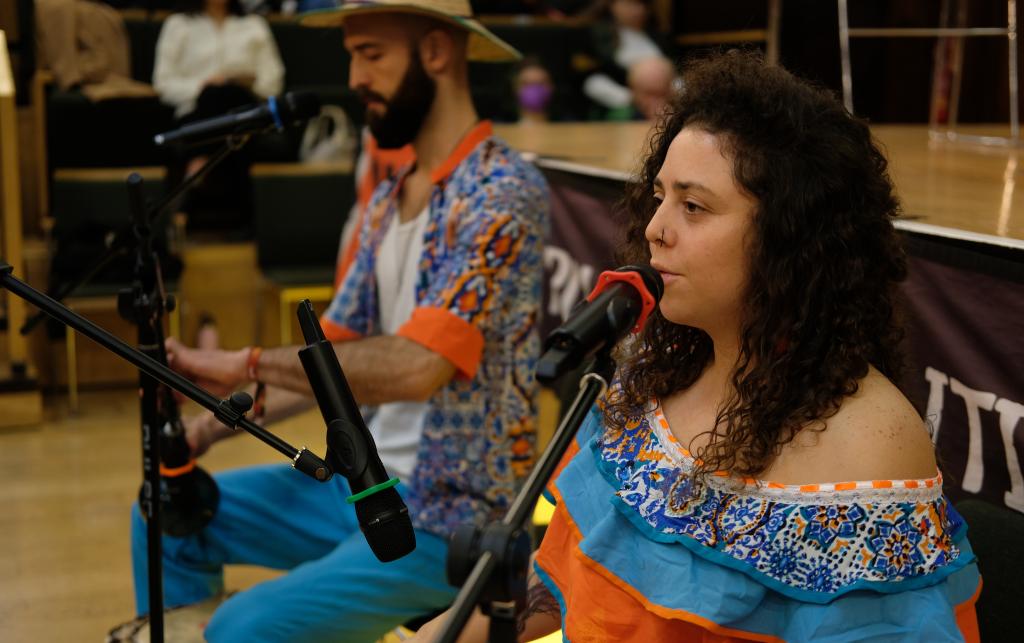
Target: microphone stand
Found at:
x=492, y=563
x=230, y=412
x=144, y=304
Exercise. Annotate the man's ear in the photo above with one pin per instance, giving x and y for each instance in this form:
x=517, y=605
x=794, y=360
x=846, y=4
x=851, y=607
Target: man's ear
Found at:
x=436, y=49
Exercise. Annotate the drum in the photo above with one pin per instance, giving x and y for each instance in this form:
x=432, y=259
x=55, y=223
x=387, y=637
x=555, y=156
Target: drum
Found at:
x=181, y=624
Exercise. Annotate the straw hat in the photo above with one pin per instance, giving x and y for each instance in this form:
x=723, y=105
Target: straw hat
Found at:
x=484, y=46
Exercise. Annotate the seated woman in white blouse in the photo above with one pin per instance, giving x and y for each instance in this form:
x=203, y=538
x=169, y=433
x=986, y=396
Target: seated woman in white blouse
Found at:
x=211, y=44
x=210, y=59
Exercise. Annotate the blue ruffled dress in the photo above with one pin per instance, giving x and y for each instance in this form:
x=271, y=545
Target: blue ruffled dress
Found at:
x=632, y=555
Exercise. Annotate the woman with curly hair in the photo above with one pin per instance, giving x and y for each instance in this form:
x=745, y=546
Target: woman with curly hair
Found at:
x=754, y=473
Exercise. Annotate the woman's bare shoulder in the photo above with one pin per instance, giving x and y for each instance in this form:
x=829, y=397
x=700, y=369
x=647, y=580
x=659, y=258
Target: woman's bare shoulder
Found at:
x=876, y=435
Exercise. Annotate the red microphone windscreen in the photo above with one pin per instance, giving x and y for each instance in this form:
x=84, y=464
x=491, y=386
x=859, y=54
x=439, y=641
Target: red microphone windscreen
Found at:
x=632, y=277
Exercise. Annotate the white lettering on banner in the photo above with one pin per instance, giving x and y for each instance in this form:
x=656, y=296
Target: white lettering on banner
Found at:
x=975, y=401
x=937, y=382
x=1010, y=415
x=570, y=281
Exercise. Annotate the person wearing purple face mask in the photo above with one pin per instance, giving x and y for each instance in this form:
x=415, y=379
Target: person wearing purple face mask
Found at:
x=534, y=90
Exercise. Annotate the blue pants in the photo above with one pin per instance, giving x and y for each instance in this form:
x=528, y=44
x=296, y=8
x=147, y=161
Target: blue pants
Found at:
x=277, y=517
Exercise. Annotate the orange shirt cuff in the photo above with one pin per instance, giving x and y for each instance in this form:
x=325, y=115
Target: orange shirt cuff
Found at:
x=448, y=335
x=337, y=333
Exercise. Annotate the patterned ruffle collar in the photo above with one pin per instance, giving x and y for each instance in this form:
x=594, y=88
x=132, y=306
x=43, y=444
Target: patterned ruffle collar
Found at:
x=817, y=541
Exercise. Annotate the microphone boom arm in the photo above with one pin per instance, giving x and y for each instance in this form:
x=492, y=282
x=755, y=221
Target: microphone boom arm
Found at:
x=230, y=412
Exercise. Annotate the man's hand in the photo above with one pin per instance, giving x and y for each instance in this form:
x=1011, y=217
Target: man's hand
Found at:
x=220, y=371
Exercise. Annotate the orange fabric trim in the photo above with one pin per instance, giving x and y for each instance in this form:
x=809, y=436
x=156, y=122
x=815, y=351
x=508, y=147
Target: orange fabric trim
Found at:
x=882, y=484
x=173, y=472
x=469, y=142
x=967, y=617
x=602, y=607
x=448, y=335
x=570, y=453
x=910, y=484
x=337, y=333
x=844, y=486
x=809, y=487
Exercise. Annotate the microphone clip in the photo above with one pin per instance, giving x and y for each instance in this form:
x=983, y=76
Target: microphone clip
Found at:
x=234, y=408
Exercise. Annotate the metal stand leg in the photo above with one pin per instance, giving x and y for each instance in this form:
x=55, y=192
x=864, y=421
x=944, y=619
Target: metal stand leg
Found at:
x=844, y=54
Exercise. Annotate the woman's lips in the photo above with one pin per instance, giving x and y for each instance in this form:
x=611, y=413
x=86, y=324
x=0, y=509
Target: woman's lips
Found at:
x=666, y=276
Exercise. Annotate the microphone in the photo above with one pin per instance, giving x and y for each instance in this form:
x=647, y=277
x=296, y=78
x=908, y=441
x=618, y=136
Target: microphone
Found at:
x=621, y=300
x=383, y=516
x=275, y=111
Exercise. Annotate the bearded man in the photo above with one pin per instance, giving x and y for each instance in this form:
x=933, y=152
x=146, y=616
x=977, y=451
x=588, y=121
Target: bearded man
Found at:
x=434, y=324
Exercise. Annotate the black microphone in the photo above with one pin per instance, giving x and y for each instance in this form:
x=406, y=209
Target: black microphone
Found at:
x=621, y=300
x=276, y=111
x=383, y=517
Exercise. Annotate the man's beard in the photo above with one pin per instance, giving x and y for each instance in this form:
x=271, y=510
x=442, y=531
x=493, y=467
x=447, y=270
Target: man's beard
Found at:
x=404, y=114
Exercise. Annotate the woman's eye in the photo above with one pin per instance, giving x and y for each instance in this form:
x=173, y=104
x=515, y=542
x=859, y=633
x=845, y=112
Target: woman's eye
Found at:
x=658, y=197
x=692, y=207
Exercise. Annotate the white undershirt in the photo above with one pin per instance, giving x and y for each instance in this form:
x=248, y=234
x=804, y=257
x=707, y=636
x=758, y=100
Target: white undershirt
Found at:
x=397, y=426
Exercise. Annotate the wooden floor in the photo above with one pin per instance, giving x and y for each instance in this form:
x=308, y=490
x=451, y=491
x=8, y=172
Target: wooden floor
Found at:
x=65, y=492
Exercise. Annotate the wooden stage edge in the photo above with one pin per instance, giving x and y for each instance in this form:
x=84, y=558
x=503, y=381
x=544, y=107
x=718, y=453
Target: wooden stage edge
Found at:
x=949, y=189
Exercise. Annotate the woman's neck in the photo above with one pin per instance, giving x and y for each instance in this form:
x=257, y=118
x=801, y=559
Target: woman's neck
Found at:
x=726, y=353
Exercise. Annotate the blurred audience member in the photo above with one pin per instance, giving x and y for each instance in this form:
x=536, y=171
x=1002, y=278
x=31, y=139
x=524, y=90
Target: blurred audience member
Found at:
x=624, y=38
x=651, y=82
x=210, y=59
x=534, y=90
x=85, y=46
x=211, y=54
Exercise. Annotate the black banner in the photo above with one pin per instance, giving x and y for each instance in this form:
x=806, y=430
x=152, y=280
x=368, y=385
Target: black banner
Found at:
x=965, y=341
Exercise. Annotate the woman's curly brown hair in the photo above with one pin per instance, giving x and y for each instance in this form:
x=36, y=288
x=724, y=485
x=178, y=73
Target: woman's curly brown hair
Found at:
x=825, y=260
